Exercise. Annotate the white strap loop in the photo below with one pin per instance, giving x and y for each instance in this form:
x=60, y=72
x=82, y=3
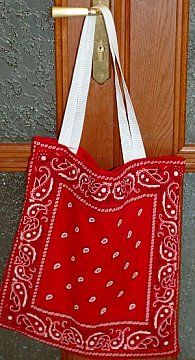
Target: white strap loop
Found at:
x=71, y=131
x=81, y=78
x=138, y=146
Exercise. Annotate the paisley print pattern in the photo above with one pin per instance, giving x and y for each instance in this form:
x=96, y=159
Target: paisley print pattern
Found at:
x=52, y=168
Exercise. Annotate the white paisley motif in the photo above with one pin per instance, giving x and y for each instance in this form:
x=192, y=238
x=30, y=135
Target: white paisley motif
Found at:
x=165, y=298
x=171, y=226
x=35, y=209
x=163, y=319
x=18, y=295
x=170, y=200
x=27, y=254
x=53, y=331
x=98, y=341
x=88, y=186
x=32, y=323
x=124, y=187
x=65, y=169
x=141, y=340
x=166, y=275
x=42, y=185
x=118, y=341
x=151, y=177
x=20, y=273
x=64, y=334
x=168, y=249
x=73, y=336
x=31, y=231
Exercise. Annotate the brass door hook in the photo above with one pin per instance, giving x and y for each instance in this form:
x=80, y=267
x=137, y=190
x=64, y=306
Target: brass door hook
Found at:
x=101, y=71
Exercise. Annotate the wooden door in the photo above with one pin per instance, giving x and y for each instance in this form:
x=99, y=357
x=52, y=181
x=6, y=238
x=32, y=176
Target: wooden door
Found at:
x=153, y=46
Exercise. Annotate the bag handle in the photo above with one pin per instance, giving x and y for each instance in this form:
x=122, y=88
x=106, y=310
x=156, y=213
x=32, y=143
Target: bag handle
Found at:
x=138, y=147
x=71, y=131
x=126, y=140
x=81, y=74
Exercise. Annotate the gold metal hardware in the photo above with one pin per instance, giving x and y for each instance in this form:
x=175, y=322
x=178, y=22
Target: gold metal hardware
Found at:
x=58, y=11
x=101, y=71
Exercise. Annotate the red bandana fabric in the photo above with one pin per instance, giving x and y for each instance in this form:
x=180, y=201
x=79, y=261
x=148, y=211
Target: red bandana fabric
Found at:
x=95, y=262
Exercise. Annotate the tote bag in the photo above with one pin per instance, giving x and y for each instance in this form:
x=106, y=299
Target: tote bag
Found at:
x=94, y=267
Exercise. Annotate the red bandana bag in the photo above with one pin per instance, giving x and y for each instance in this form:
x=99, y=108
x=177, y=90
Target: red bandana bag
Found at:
x=94, y=267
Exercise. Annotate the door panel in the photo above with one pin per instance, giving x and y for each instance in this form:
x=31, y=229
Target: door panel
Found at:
x=151, y=71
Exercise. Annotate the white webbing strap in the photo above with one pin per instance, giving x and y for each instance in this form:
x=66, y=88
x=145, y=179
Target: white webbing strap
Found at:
x=138, y=147
x=81, y=77
x=131, y=141
x=126, y=141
